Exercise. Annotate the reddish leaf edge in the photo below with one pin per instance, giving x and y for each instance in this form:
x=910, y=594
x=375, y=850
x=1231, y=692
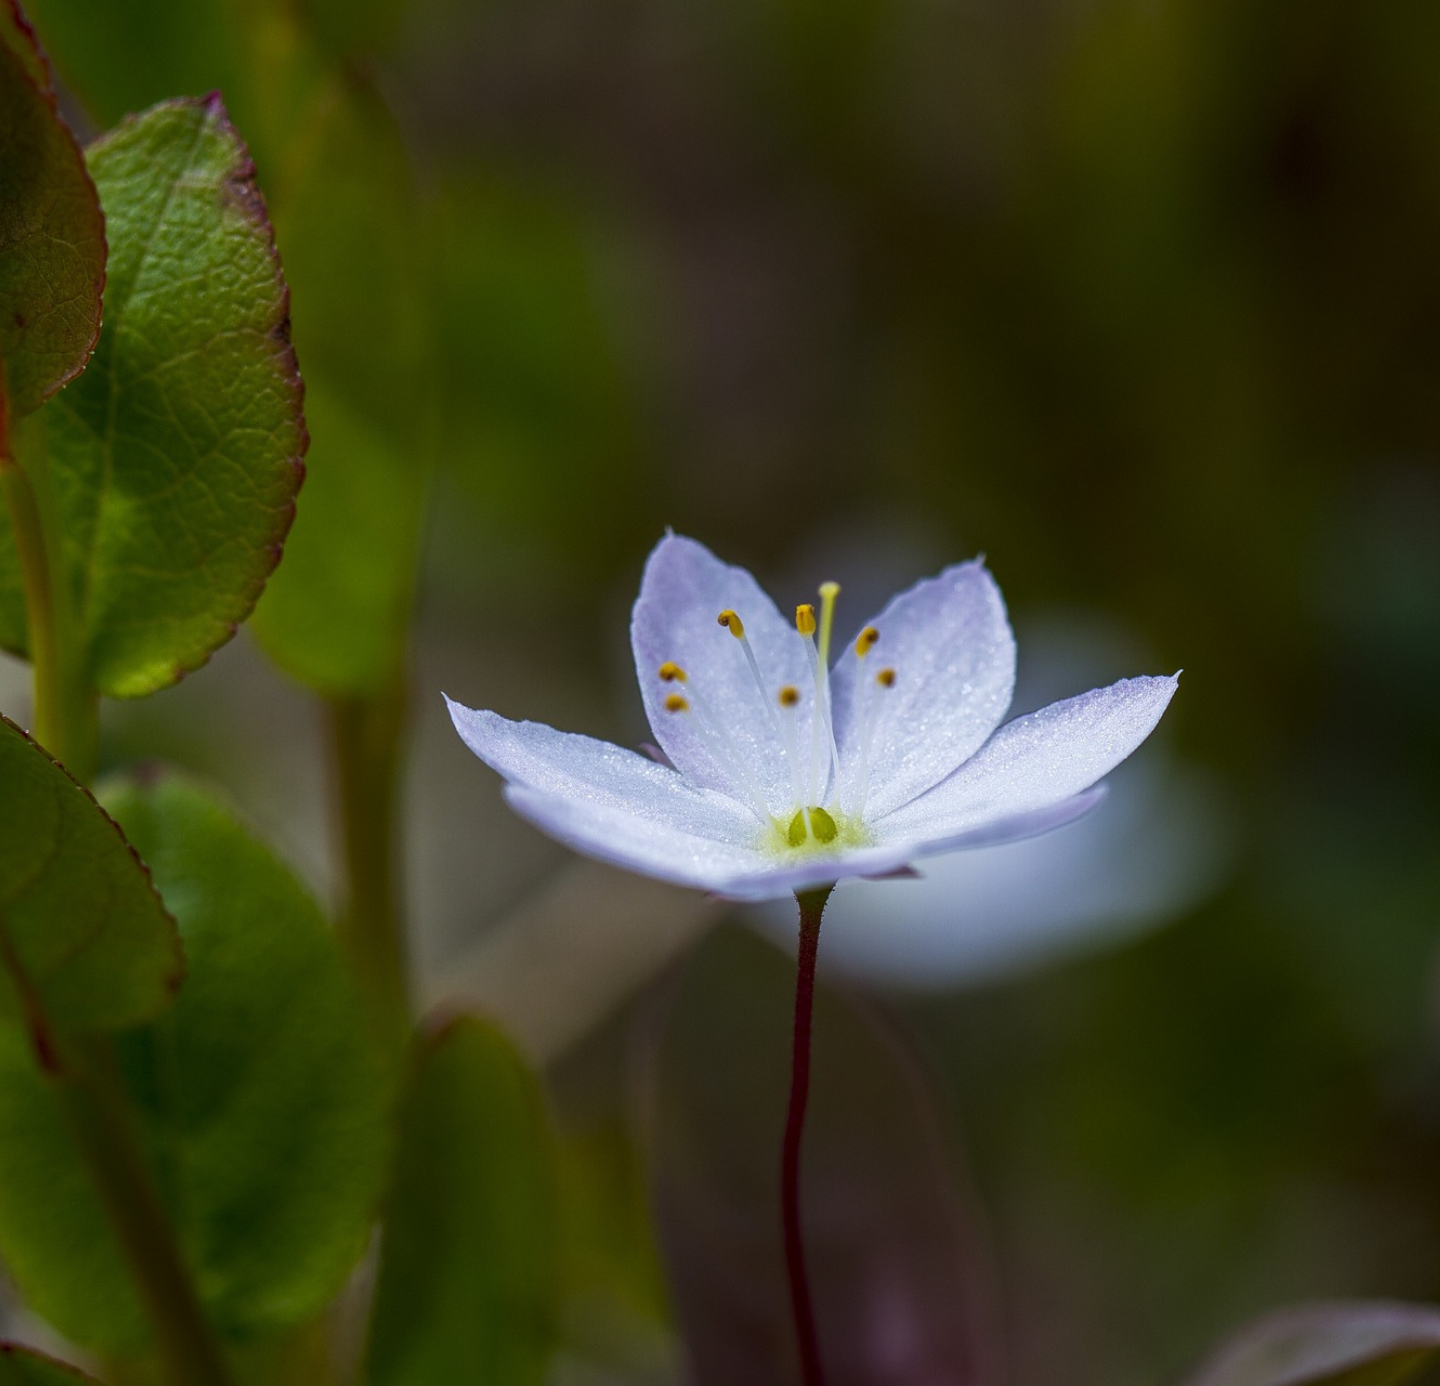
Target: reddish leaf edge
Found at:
x=177, y=977
x=36, y=62
x=244, y=194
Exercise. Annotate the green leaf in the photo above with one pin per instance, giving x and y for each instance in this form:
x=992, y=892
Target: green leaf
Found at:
x=52, y=234
x=260, y=1098
x=1341, y=1344
x=336, y=615
x=85, y=939
x=176, y=457
x=21, y=1367
x=467, y=1271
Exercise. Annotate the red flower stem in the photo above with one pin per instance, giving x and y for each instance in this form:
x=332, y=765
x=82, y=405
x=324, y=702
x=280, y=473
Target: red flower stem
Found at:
x=812, y=905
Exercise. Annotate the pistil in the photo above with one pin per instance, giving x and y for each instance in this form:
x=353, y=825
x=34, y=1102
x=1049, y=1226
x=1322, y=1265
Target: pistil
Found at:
x=821, y=725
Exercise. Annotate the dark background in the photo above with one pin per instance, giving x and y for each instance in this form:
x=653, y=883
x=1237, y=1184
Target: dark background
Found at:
x=1140, y=299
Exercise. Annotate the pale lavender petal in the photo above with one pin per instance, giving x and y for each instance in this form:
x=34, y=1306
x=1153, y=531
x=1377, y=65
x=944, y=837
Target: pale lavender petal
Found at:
x=995, y=832
x=637, y=843
x=1034, y=763
x=582, y=768
x=950, y=645
x=684, y=589
x=668, y=853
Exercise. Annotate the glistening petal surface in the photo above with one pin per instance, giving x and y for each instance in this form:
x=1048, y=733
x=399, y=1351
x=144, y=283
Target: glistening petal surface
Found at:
x=684, y=589
x=1035, y=762
x=620, y=838
x=949, y=642
x=580, y=768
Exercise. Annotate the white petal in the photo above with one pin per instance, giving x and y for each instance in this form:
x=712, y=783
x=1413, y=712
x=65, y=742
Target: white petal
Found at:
x=1034, y=763
x=1159, y=849
x=668, y=853
x=582, y=768
x=684, y=589
x=950, y=645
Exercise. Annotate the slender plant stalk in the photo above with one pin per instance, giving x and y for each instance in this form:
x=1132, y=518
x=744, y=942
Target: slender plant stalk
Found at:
x=812, y=906
x=66, y=714
x=88, y=1083
x=90, y=1092
x=366, y=737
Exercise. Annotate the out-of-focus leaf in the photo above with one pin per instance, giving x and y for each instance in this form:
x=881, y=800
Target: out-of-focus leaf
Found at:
x=52, y=234
x=177, y=455
x=124, y=57
x=354, y=28
x=1355, y=1344
x=542, y=420
x=335, y=616
x=901, y=1295
x=85, y=939
x=467, y=1267
x=260, y=1098
x=21, y=1367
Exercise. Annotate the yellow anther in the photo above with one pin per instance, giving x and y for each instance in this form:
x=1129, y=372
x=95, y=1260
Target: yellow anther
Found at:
x=805, y=619
x=732, y=623
x=789, y=695
x=886, y=678
x=866, y=642
x=677, y=702
x=671, y=672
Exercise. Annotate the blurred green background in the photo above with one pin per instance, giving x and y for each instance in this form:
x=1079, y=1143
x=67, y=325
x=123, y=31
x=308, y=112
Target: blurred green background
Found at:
x=1140, y=299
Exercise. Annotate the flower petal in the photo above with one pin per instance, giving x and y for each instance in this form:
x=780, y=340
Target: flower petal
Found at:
x=684, y=589
x=668, y=853
x=615, y=835
x=582, y=768
x=950, y=645
x=1032, y=765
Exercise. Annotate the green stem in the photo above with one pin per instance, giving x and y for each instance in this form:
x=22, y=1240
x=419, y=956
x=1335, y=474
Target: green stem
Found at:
x=66, y=715
x=91, y=1095
x=366, y=736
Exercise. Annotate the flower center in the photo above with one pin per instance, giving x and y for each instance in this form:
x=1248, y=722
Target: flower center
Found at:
x=816, y=818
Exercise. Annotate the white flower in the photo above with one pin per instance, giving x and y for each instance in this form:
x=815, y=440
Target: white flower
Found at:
x=790, y=774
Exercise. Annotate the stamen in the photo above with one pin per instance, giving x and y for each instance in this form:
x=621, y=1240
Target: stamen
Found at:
x=671, y=672
x=884, y=679
x=721, y=747
x=866, y=642
x=732, y=622
x=820, y=719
